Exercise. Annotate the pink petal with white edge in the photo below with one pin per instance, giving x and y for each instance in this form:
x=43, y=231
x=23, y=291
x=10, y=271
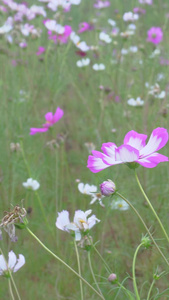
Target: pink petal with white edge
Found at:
x=20, y=263
x=158, y=139
x=95, y=162
x=109, y=149
x=136, y=140
x=153, y=160
x=58, y=115
x=126, y=153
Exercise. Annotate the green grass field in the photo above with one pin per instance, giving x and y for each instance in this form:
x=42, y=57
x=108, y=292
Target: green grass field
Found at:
x=58, y=157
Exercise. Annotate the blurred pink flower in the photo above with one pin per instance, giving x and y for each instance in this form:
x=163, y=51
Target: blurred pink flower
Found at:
x=50, y=121
x=101, y=4
x=40, y=50
x=155, y=35
x=84, y=26
x=62, y=38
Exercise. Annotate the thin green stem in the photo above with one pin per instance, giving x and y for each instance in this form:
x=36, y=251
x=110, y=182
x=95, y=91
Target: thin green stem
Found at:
x=133, y=271
x=36, y=193
x=149, y=233
x=65, y=264
x=150, y=289
x=106, y=265
x=94, y=278
x=10, y=289
x=125, y=290
x=79, y=270
x=15, y=287
x=153, y=210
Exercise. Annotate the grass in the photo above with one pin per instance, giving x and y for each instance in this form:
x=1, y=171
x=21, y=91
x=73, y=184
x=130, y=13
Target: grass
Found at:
x=90, y=116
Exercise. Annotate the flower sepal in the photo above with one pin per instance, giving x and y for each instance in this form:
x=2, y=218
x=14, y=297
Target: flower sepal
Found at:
x=23, y=224
x=132, y=165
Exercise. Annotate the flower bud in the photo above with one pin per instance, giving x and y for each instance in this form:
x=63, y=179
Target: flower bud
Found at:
x=107, y=187
x=112, y=277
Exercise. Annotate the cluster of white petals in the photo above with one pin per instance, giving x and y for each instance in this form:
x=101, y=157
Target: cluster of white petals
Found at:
x=14, y=263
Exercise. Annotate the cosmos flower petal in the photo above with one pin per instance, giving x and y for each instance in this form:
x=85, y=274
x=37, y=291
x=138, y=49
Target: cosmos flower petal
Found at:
x=20, y=263
x=126, y=153
x=58, y=115
x=95, y=163
x=3, y=265
x=158, y=139
x=63, y=220
x=109, y=149
x=49, y=117
x=152, y=160
x=134, y=139
x=77, y=235
x=12, y=260
x=37, y=130
x=92, y=221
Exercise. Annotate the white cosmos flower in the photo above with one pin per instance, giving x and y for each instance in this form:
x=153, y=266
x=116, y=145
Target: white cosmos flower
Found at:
x=133, y=49
x=13, y=264
x=83, y=62
x=155, y=91
x=98, y=67
x=111, y=22
x=105, y=37
x=76, y=40
x=132, y=27
x=92, y=191
x=86, y=188
x=81, y=222
x=130, y=17
x=31, y=184
x=124, y=51
x=119, y=204
x=137, y=102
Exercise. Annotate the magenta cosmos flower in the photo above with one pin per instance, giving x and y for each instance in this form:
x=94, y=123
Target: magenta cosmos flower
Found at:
x=155, y=35
x=50, y=120
x=134, y=149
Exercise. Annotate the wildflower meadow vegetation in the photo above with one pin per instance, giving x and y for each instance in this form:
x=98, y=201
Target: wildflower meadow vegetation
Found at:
x=84, y=167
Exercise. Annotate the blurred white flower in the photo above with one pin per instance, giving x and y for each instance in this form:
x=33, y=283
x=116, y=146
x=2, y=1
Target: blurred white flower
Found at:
x=31, y=184
x=98, y=67
x=83, y=62
x=112, y=22
x=155, y=53
x=131, y=27
x=105, y=37
x=13, y=264
x=81, y=222
x=124, y=51
x=137, y=102
x=130, y=17
x=160, y=76
x=133, y=49
x=155, y=91
x=119, y=204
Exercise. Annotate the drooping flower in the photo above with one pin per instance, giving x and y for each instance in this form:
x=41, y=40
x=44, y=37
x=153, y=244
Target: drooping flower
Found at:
x=155, y=35
x=107, y=187
x=31, y=184
x=91, y=190
x=81, y=223
x=50, y=121
x=133, y=150
x=13, y=265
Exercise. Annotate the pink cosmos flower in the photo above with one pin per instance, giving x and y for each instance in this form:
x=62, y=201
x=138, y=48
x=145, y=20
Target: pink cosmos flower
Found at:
x=40, y=50
x=134, y=149
x=155, y=35
x=50, y=120
x=84, y=26
x=101, y=4
x=61, y=37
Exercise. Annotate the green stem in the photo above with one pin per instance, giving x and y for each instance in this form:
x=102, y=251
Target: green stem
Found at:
x=149, y=292
x=94, y=278
x=36, y=193
x=15, y=287
x=65, y=264
x=149, y=233
x=106, y=265
x=79, y=269
x=125, y=290
x=10, y=289
x=153, y=210
x=133, y=271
